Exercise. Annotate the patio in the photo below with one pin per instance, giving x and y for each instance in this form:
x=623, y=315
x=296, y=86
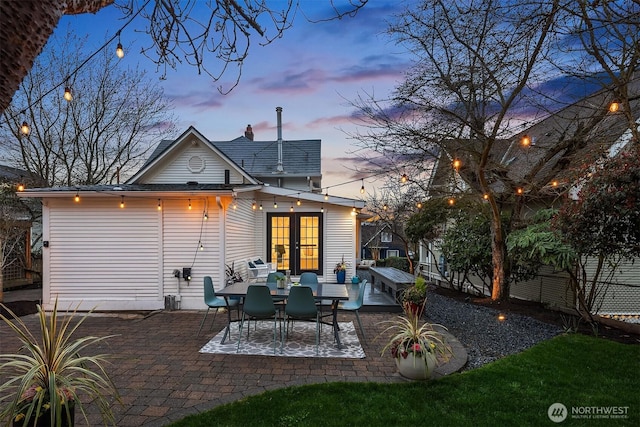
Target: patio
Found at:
x=162, y=377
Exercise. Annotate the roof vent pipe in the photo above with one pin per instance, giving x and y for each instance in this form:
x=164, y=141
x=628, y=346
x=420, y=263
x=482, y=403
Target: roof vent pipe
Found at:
x=279, y=167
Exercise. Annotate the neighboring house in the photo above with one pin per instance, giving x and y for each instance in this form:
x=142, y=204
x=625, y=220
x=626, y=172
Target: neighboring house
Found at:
x=585, y=134
x=199, y=205
x=379, y=242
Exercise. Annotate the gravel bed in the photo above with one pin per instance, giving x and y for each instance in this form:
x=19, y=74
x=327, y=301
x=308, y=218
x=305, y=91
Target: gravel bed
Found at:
x=484, y=336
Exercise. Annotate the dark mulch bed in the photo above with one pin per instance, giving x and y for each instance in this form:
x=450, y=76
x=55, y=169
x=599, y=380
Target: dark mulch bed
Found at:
x=540, y=312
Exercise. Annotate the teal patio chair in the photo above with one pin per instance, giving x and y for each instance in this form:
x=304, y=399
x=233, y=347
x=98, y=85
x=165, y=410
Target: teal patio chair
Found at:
x=308, y=278
x=355, y=305
x=258, y=305
x=301, y=305
x=213, y=301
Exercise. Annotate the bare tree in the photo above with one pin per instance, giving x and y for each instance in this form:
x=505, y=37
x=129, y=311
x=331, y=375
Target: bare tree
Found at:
x=478, y=76
x=114, y=116
x=191, y=32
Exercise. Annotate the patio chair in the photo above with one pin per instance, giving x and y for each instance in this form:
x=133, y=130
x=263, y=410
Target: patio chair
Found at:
x=308, y=278
x=213, y=301
x=258, y=305
x=258, y=269
x=355, y=305
x=301, y=305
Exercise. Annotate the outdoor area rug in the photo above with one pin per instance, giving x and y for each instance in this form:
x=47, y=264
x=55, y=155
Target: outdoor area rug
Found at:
x=300, y=343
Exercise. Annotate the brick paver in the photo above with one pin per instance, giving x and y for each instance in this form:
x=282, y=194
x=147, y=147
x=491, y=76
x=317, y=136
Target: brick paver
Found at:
x=162, y=377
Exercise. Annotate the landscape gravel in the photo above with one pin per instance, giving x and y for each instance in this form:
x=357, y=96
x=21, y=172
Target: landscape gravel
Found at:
x=478, y=329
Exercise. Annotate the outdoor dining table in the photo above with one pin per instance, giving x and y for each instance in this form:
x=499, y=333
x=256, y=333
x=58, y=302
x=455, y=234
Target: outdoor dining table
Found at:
x=321, y=291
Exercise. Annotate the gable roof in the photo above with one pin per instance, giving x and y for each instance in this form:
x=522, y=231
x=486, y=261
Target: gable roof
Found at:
x=166, y=147
x=257, y=158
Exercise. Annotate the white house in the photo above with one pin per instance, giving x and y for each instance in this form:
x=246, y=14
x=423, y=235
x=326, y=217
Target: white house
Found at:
x=199, y=205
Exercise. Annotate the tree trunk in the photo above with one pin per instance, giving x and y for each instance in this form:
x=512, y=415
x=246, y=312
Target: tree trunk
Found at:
x=500, y=286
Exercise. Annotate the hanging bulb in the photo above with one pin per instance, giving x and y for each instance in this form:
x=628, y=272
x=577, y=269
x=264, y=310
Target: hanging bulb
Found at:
x=201, y=246
x=189, y=204
x=298, y=202
x=67, y=93
x=253, y=205
x=159, y=205
x=77, y=197
x=119, y=49
x=404, y=178
x=260, y=206
x=456, y=164
x=525, y=141
x=25, y=128
x=121, y=201
x=291, y=208
x=322, y=208
x=362, y=188
x=206, y=216
x=21, y=187
x=326, y=195
x=614, y=107
x=235, y=204
x=275, y=204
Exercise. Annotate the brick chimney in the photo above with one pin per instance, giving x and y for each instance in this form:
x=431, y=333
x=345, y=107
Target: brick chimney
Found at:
x=249, y=133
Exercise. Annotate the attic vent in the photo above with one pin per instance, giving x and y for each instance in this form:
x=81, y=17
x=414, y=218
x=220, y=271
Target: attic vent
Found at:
x=196, y=164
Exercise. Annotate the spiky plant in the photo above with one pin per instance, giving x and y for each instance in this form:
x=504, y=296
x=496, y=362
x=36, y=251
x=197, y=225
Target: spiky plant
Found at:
x=49, y=373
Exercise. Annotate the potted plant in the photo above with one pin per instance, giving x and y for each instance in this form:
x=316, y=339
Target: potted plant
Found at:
x=44, y=380
x=415, y=297
x=340, y=271
x=416, y=346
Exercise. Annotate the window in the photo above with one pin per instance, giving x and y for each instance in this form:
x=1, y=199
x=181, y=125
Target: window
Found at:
x=386, y=237
x=393, y=252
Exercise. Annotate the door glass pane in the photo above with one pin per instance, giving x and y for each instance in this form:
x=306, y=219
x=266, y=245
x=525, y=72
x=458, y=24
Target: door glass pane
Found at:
x=280, y=250
x=309, y=243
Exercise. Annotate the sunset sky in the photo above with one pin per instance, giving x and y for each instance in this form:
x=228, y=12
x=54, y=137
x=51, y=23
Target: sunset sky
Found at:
x=313, y=73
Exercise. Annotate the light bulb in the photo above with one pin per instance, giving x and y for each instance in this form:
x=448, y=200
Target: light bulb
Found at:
x=67, y=93
x=452, y=201
x=322, y=208
x=298, y=202
x=206, y=216
x=190, y=204
x=25, y=128
x=201, y=247
x=77, y=198
x=21, y=187
x=291, y=208
x=326, y=195
x=121, y=201
x=362, y=188
x=159, y=205
x=404, y=178
x=525, y=140
x=614, y=106
x=119, y=51
x=253, y=206
x=456, y=164
x=260, y=206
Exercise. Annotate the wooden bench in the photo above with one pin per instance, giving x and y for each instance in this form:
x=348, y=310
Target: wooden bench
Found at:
x=396, y=280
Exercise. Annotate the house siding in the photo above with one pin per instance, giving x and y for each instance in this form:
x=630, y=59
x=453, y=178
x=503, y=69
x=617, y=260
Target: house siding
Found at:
x=339, y=232
x=241, y=234
x=102, y=256
x=180, y=167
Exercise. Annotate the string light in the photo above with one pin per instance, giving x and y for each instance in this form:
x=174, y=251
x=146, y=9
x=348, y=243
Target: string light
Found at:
x=201, y=246
x=322, y=208
x=419, y=205
x=326, y=195
x=119, y=49
x=206, y=216
x=77, y=197
x=275, y=204
x=159, y=205
x=404, y=178
x=452, y=201
x=25, y=128
x=260, y=206
x=525, y=141
x=554, y=183
x=614, y=106
x=485, y=196
x=189, y=204
x=253, y=205
x=456, y=164
x=291, y=208
x=121, y=202
x=67, y=94
x=298, y=202
x=385, y=207
x=362, y=188
x=21, y=187
x=519, y=191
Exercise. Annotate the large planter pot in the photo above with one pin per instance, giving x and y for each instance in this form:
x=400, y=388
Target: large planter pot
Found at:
x=416, y=367
x=341, y=276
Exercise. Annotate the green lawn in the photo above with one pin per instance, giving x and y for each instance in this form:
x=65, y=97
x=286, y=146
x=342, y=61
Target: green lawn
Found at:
x=575, y=370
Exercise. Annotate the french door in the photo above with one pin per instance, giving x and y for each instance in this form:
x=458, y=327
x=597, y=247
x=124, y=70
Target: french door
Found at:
x=295, y=241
